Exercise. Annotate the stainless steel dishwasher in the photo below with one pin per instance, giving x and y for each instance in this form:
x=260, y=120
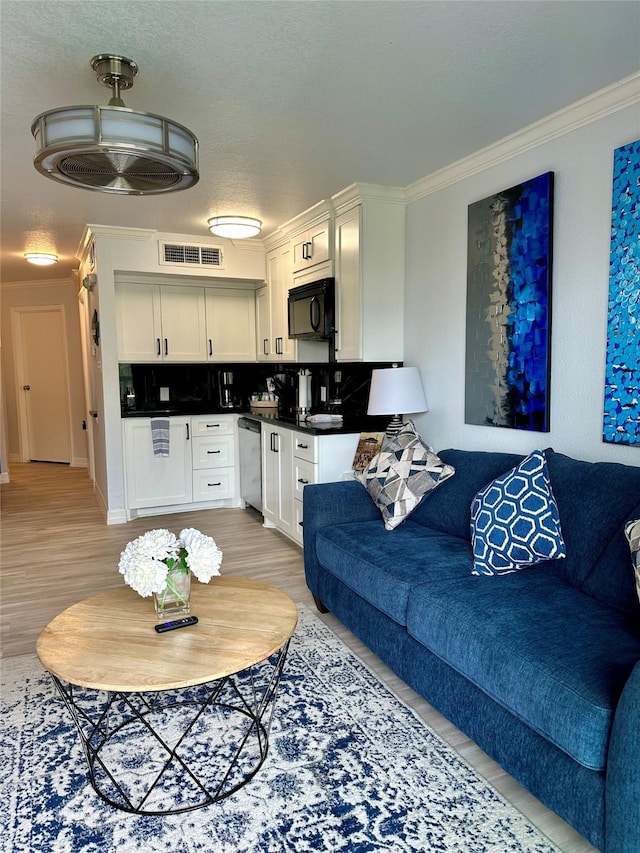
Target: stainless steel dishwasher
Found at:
x=250, y=462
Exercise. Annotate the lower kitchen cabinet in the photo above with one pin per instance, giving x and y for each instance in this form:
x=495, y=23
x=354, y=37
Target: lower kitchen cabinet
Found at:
x=292, y=460
x=277, y=477
x=199, y=473
x=157, y=480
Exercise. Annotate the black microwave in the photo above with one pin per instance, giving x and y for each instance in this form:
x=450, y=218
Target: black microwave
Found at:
x=312, y=310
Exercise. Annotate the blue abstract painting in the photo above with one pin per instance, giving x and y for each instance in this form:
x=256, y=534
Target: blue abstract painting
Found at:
x=622, y=372
x=508, y=333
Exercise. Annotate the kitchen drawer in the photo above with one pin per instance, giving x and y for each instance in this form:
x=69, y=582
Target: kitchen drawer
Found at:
x=297, y=521
x=213, y=451
x=304, y=446
x=303, y=474
x=214, y=484
x=202, y=425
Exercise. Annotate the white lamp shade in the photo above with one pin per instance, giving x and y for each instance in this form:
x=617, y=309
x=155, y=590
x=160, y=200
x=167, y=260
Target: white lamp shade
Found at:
x=396, y=391
x=41, y=259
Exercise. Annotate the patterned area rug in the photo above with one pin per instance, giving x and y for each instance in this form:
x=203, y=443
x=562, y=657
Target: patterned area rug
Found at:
x=350, y=769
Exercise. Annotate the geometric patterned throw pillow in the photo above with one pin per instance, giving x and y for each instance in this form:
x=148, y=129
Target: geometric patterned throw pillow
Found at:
x=515, y=521
x=402, y=473
x=632, y=532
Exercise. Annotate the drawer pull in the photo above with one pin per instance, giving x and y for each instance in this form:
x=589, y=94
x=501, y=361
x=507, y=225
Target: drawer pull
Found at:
x=303, y=446
x=301, y=524
x=304, y=482
x=213, y=426
x=214, y=451
x=214, y=484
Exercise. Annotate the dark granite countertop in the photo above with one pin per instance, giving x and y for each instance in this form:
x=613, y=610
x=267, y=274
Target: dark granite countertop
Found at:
x=349, y=425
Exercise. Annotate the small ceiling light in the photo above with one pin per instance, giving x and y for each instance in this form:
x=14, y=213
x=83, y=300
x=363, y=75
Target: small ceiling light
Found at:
x=41, y=259
x=235, y=227
x=113, y=149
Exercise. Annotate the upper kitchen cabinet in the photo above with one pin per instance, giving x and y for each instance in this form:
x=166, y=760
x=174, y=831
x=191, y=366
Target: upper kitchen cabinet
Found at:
x=369, y=273
x=273, y=341
x=160, y=322
x=312, y=247
x=231, y=325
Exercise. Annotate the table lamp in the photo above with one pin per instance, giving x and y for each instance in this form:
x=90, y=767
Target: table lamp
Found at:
x=396, y=391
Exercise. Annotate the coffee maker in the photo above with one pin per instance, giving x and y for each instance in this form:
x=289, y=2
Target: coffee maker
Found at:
x=225, y=389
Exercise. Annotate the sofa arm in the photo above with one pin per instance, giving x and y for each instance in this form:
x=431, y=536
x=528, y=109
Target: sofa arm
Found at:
x=622, y=795
x=326, y=504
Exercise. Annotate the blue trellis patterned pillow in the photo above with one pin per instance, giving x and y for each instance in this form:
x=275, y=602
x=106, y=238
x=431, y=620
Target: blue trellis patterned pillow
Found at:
x=515, y=521
x=632, y=532
x=402, y=473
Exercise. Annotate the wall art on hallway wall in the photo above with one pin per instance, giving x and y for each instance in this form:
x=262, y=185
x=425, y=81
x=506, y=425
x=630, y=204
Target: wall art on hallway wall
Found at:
x=508, y=346
x=621, y=423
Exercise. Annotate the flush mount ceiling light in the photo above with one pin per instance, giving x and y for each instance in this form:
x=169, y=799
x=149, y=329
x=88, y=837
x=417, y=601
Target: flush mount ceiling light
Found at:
x=41, y=259
x=114, y=149
x=237, y=227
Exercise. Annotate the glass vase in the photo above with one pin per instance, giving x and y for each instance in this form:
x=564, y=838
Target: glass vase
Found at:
x=173, y=600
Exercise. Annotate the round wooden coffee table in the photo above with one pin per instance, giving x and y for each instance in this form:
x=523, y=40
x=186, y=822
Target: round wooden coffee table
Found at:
x=174, y=721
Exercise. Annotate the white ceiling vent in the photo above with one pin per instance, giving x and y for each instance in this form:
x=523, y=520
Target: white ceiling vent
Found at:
x=189, y=255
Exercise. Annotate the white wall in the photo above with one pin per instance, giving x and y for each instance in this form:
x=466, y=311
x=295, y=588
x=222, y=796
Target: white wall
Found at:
x=582, y=161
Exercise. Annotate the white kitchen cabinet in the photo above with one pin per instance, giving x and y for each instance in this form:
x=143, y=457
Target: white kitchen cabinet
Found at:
x=160, y=323
x=231, y=324
x=277, y=477
x=200, y=471
x=318, y=459
x=369, y=273
x=273, y=341
x=312, y=246
x=157, y=481
x=292, y=459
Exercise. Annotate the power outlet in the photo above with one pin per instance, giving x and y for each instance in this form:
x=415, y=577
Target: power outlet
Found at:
x=164, y=395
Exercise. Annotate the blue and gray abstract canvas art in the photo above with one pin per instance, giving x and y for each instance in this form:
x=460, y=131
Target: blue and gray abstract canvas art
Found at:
x=621, y=423
x=509, y=307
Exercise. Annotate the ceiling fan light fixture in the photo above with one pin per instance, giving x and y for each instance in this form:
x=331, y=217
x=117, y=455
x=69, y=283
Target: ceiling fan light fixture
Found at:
x=235, y=227
x=112, y=148
x=41, y=259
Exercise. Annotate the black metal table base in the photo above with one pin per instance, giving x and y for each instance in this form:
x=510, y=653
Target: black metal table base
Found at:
x=166, y=752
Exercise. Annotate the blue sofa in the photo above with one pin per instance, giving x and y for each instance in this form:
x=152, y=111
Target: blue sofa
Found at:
x=540, y=667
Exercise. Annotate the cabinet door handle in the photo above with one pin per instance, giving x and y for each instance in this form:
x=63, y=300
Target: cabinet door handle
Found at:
x=166, y=346
x=278, y=346
x=301, y=524
x=274, y=442
x=304, y=482
x=214, y=484
x=214, y=451
x=187, y=426
x=265, y=346
x=158, y=346
x=210, y=347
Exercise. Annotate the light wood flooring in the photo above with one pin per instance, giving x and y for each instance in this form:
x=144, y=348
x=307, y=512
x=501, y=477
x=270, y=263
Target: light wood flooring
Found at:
x=56, y=550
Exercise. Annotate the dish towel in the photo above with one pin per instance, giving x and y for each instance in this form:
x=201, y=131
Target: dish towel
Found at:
x=160, y=436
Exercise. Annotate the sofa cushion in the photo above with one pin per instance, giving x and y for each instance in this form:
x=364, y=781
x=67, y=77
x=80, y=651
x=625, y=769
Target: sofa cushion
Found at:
x=632, y=532
x=382, y=568
x=554, y=657
x=448, y=509
x=515, y=521
x=402, y=473
x=595, y=499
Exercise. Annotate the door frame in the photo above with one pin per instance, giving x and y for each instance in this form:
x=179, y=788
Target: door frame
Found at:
x=20, y=370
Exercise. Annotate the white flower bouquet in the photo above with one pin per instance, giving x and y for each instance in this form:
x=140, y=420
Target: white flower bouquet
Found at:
x=149, y=562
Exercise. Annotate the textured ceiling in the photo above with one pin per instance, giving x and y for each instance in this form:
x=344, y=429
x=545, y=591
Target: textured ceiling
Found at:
x=291, y=101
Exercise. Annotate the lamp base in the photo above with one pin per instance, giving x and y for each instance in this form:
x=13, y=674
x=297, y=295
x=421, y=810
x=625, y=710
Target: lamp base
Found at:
x=394, y=427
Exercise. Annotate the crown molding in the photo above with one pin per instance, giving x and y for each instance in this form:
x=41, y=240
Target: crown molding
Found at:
x=623, y=94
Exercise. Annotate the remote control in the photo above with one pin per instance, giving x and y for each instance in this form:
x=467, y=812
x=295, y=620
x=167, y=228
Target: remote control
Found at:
x=177, y=623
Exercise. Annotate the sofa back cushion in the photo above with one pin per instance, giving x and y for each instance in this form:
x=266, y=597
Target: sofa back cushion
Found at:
x=448, y=508
x=595, y=499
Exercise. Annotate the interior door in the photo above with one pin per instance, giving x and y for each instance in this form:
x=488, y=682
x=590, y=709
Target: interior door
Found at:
x=43, y=384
